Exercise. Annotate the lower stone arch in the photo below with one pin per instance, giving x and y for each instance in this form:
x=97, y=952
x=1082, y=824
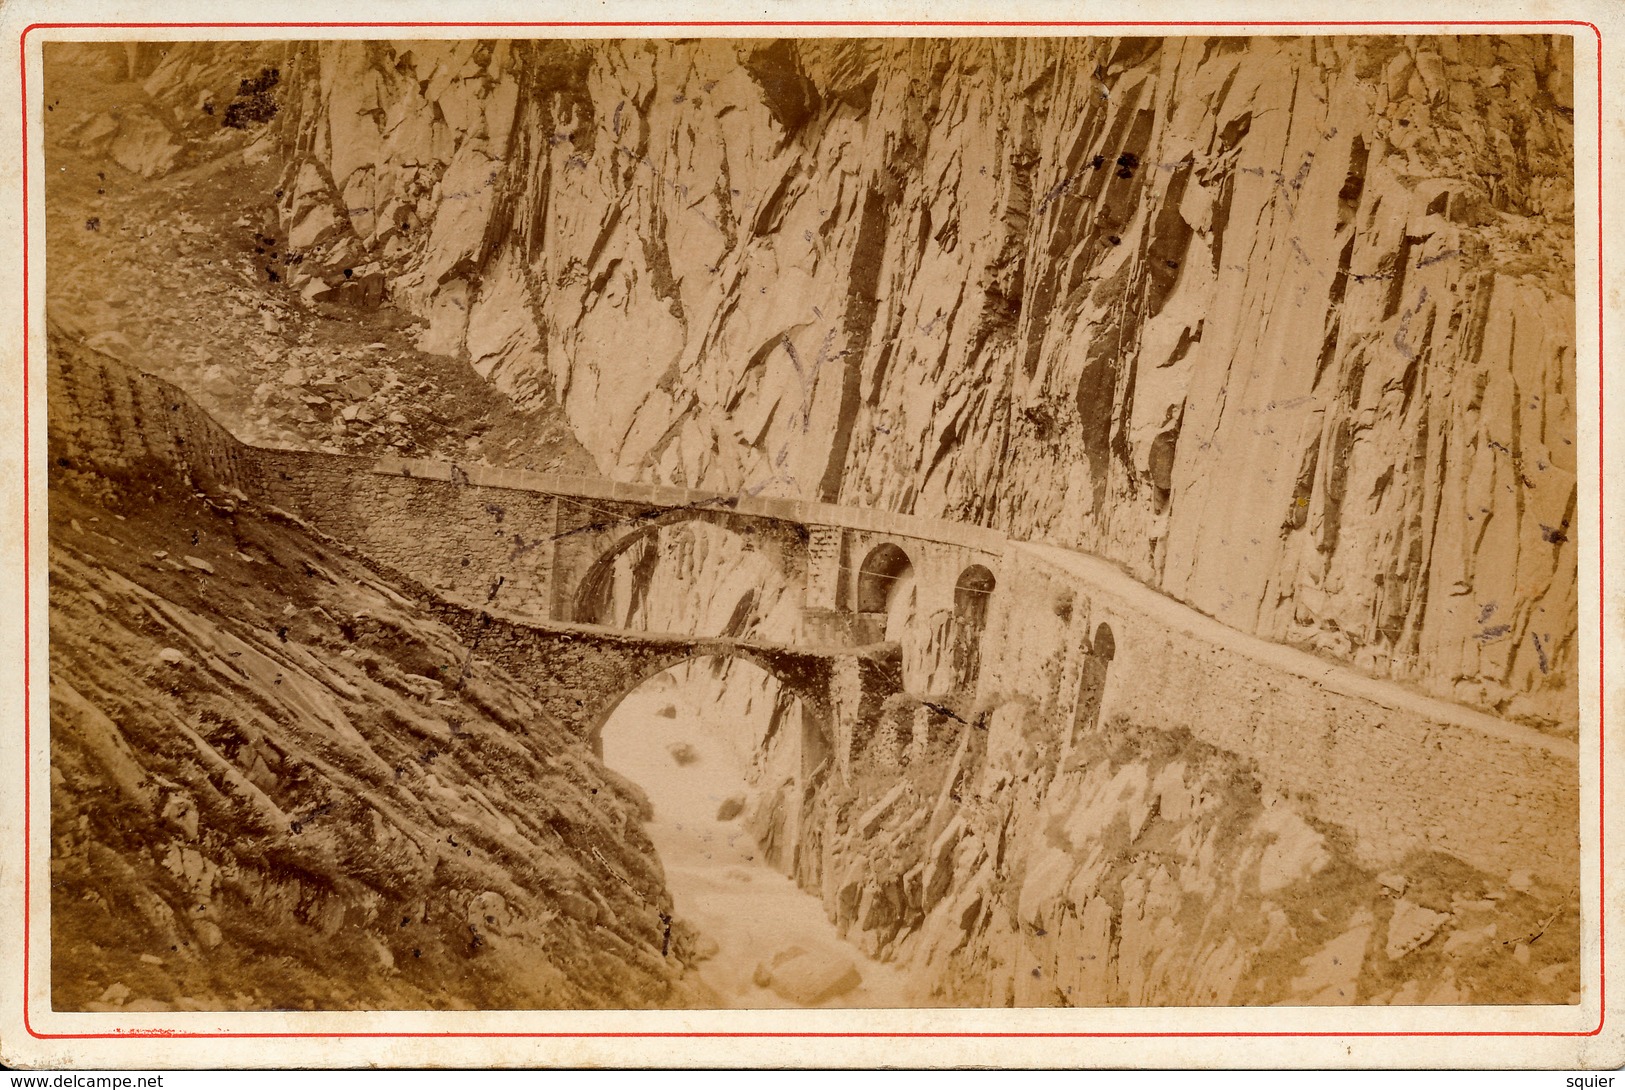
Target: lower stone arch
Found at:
x=812, y=692
x=773, y=754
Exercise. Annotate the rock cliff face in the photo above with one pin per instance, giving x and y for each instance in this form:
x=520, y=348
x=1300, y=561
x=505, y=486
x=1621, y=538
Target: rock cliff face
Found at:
x=1127, y=866
x=162, y=246
x=1284, y=326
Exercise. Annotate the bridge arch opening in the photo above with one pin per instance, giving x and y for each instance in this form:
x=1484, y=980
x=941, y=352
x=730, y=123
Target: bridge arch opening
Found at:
x=690, y=576
x=971, y=594
x=717, y=745
x=722, y=704
x=880, y=575
x=728, y=687
x=886, y=586
x=725, y=861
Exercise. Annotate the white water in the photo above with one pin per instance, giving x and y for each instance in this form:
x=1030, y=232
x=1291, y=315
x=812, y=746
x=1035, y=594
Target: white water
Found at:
x=719, y=882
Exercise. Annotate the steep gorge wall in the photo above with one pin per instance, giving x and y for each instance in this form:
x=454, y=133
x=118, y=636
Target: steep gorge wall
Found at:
x=1077, y=289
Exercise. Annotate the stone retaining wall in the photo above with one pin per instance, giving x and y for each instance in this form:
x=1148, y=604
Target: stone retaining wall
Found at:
x=1397, y=769
x=111, y=419
x=489, y=547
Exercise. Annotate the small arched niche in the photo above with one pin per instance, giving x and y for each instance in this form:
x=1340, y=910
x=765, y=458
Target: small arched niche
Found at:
x=1104, y=646
x=971, y=595
x=1092, y=680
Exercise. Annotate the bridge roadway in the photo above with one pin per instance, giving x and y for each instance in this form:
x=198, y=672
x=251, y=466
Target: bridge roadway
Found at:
x=549, y=547
x=675, y=497
x=1101, y=576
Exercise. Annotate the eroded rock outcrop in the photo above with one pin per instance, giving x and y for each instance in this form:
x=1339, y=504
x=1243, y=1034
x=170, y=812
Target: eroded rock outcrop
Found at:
x=1077, y=289
x=1137, y=867
x=277, y=782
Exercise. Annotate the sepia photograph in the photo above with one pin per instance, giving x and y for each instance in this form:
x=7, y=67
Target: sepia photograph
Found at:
x=813, y=521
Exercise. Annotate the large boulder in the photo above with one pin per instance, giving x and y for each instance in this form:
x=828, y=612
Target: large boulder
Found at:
x=808, y=977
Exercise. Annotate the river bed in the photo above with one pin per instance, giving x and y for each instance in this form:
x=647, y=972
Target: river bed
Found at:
x=719, y=881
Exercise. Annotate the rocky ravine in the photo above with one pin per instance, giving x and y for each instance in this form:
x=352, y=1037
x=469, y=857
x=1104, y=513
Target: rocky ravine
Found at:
x=1000, y=856
x=1077, y=289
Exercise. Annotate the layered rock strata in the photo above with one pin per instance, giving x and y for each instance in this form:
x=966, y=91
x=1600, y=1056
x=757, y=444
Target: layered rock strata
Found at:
x=278, y=783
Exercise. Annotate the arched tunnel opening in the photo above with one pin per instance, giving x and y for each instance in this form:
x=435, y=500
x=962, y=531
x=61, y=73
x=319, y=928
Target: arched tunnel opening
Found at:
x=719, y=747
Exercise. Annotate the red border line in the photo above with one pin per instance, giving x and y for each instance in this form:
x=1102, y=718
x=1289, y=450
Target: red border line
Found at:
x=829, y=23
x=28, y=568
x=1602, y=573
x=1602, y=584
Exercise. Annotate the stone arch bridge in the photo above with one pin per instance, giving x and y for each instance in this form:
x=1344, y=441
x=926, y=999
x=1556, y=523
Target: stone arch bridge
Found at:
x=522, y=561
x=539, y=548
x=583, y=672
